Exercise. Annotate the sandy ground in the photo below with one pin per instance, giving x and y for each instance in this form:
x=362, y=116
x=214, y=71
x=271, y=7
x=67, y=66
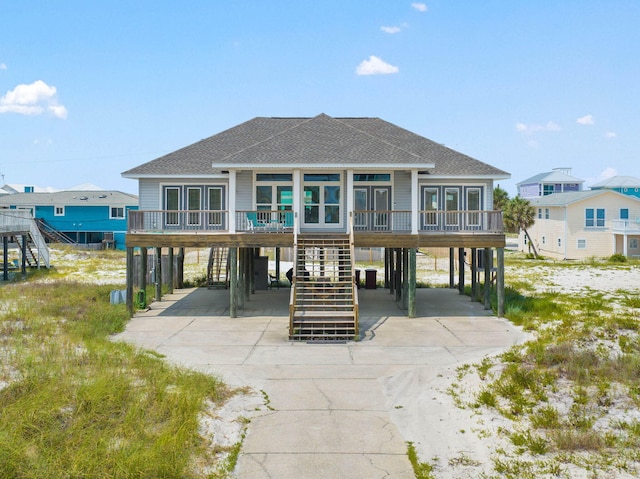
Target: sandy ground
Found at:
x=458, y=442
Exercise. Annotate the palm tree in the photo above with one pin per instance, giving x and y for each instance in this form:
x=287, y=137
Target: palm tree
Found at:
x=520, y=214
x=500, y=198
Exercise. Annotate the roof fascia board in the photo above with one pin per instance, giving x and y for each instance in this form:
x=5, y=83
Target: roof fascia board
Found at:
x=134, y=176
x=456, y=177
x=334, y=166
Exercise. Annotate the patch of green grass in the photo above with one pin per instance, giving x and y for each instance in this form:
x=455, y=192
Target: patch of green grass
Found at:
x=80, y=405
x=422, y=470
x=585, y=357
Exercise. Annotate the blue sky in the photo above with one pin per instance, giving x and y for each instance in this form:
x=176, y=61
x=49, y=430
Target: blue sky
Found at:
x=91, y=89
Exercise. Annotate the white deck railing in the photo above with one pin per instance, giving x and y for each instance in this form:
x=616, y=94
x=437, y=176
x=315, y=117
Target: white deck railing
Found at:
x=626, y=226
x=279, y=221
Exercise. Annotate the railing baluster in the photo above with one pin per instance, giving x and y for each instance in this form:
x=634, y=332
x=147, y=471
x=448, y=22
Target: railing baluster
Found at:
x=381, y=221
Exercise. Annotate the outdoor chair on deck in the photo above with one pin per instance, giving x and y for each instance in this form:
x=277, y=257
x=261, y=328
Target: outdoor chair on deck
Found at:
x=273, y=281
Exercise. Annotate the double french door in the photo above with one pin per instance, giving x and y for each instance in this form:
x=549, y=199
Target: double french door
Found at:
x=371, y=207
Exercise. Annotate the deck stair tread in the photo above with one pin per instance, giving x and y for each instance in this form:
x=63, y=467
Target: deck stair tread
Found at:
x=324, y=305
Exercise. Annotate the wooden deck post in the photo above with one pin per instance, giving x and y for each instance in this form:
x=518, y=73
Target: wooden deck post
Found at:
x=488, y=257
x=158, y=260
x=129, y=299
x=180, y=284
x=142, y=274
x=5, y=258
x=405, y=278
x=386, y=267
x=233, y=283
x=252, y=271
x=452, y=269
x=398, y=278
x=392, y=272
x=242, y=277
x=474, y=274
x=412, y=283
x=461, y=270
x=24, y=255
x=170, y=271
x=248, y=287
x=500, y=282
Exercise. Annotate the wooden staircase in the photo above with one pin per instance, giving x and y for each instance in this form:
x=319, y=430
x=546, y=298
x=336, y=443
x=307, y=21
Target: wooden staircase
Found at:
x=324, y=299
x=218, y=268
x=53, y=235
x=21, y=225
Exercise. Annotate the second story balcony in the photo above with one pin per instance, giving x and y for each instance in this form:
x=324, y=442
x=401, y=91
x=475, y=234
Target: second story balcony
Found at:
x=626, y=226
x=287, y=221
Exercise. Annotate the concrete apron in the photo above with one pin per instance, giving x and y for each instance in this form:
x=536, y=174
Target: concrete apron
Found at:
x=332, y=411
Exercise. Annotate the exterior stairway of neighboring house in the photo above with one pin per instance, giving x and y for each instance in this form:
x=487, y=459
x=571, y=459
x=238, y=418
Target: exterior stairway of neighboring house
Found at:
x=24, y=226
x=324, y=300
x=52, y=234
x=218, y=268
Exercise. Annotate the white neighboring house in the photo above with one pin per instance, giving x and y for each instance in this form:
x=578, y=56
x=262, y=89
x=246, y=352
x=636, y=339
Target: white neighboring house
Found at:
x=584, y=224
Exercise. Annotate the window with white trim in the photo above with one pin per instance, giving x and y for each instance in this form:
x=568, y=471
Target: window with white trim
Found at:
x=633, y=243
x=116, y=213
x=546, y=213
x=594, y=218
x=582, y=244
x=58, y=211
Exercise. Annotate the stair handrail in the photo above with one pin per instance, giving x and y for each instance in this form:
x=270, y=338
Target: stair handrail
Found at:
x=354, y=286
x=41, y=244
x=292, y=293
x=57, y=234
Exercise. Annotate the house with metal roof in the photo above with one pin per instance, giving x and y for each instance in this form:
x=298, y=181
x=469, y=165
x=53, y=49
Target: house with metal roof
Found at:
x=559, y=180
x=321, y=186
x=627, y=185
x=584, y=224
x=95, y=218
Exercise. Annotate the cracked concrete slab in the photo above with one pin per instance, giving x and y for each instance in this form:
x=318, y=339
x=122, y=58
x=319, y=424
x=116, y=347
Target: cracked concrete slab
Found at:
x=333, y=407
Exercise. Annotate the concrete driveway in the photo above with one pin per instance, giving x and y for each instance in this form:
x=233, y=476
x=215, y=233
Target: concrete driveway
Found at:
x=331, y=410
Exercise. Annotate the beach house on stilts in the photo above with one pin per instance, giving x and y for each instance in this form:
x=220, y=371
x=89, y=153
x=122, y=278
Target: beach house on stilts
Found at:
x=321, y=186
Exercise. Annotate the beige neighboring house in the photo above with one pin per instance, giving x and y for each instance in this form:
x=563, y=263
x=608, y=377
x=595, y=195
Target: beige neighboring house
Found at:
x=583, y=224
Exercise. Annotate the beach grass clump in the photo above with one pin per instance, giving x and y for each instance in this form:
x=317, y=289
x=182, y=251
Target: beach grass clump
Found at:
x=570, y=393
x=73, y=403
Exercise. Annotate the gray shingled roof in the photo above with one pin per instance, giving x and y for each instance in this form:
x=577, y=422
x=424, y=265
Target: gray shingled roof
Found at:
x=320, y=140
x=550, y=177
x=618, y=182
x=564, y=199
x=70, y=198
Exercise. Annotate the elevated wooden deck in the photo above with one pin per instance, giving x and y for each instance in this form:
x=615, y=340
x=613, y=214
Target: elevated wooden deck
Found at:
x=457, y=229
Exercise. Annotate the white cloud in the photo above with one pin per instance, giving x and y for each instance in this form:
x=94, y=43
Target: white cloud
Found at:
x=375, y=66
x=3, y=66
x=610, y=134
x=33, y=99
x=390, y=29
x=586, y=120
x=421, y=7
x=607, y=173
x=534, y=128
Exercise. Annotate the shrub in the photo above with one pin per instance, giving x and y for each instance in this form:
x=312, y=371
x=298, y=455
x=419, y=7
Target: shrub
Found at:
x=618, y=258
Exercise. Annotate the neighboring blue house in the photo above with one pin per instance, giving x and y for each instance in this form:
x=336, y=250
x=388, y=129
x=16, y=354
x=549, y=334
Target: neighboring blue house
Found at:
x=627, y=185
x=557, y=181
x=89, y=217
